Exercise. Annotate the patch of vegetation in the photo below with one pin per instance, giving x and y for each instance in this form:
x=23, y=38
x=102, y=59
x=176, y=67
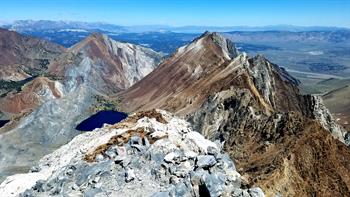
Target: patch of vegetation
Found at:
x=323, y=67
x=256, y=47
x=40, y=67
x=103, y=103
x=52, y=77
x=9, y=86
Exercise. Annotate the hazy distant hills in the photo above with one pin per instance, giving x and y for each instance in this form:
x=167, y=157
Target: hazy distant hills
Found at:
x=44, y=25
x=32, y=25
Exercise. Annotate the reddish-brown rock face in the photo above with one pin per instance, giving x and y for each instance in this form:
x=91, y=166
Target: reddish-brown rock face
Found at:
x=111, y=66
x=206, y=66
x=184, y=79
x=22, y=56
x=279, y=138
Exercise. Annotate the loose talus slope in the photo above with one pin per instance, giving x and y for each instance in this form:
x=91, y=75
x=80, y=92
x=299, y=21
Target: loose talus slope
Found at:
x=151, y=153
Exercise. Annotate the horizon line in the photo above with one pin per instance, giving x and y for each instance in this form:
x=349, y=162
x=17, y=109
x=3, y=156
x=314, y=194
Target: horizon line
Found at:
x=175, y=26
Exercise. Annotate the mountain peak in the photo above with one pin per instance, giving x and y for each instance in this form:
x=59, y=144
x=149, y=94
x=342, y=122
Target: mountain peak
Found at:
x=94, y=38
x=97, y=35
x=210, y=43
x=226, y=44
x=116, y=65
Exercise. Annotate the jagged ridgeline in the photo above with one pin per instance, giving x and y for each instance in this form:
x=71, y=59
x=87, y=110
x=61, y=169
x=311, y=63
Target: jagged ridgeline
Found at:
x=242, y=128
x=281, y=140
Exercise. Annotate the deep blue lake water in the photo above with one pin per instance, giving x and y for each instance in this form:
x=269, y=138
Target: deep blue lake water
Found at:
x=3, y=122
x=97, y=120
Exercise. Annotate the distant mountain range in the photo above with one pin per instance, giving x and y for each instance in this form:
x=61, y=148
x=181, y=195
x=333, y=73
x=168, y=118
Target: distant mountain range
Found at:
x=33, y=25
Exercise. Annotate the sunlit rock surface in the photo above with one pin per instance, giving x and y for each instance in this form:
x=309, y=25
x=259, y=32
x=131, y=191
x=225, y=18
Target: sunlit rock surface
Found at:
x=149, y=154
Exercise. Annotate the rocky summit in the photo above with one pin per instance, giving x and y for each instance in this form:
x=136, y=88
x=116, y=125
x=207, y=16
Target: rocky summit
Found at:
x=152, y=153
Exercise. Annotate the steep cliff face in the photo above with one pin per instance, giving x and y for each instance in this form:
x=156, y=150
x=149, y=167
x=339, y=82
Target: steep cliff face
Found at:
x=324, y=117
x=285, y=153
x=22, y=57
x=110, y=66
x=254, y=107
x=150, y=154
x=274, y=84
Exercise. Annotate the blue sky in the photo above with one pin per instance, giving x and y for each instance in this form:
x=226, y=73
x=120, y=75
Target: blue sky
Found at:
x=183, y=12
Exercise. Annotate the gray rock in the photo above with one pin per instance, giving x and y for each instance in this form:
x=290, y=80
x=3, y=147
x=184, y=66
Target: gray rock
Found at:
x=75, y=187
x=157, y=157
x=205, y=161
x=256, y=192
x=27, y=193
x=182, y=170
x=96, y=179
x=214, y=184
x=212, y=151
x=226, y=162
x=236, y=192
x=135, y=140
x=92, y=192
x=86, y=171
x=118, y=159
x=99, y=158
x=111, y=154
x=174, y=180
x=126, y=161
x=197, y=176
x=181, y=190
x=129, y=175
x=347, y=139
x=138, y=147
x=69, y=172
x=35, y=169
x=245, y=193
x=177, y=171
x=161, y=194
x=172, y=157
x=145, y=142
x=136, y=163
x=39, y=186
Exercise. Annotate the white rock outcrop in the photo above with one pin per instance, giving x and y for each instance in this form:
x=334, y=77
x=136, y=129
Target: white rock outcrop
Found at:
x=149, y=154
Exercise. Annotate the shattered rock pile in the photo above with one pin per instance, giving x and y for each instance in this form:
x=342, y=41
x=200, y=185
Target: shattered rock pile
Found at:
x=153, y=155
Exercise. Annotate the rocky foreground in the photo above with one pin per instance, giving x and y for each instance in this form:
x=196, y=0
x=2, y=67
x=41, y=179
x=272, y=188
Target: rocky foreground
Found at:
x=149, y=154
